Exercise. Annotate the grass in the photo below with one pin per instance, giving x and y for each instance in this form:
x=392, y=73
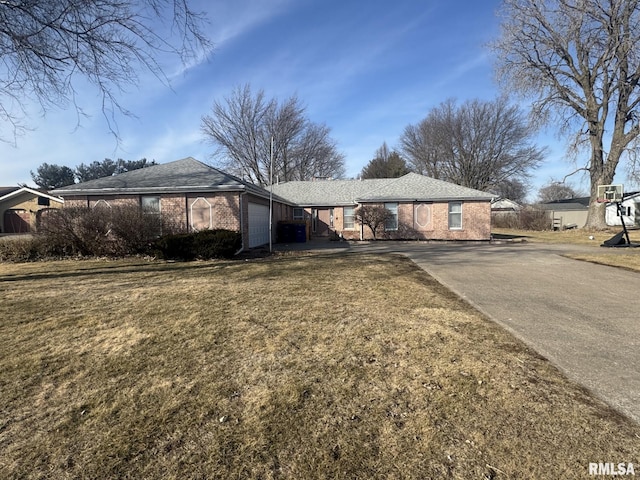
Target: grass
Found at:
x=627, y=258
x=298, y=367
x=574, y=237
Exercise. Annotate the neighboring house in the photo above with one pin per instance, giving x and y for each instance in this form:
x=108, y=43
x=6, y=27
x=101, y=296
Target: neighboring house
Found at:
x=630, y=211
x=503, y=209
x=567, y=213
x=505, y=205
x=422, y=207
x=22, y=207
x=191, y=194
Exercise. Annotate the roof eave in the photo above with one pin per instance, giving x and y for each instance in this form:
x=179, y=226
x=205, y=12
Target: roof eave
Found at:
x=425, y=199
x=32, y=191
x=151, y=190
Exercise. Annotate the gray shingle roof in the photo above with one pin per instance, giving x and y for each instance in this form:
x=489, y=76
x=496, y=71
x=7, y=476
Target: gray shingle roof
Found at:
x=190, y=175
x=410, y=187
x=186, y=175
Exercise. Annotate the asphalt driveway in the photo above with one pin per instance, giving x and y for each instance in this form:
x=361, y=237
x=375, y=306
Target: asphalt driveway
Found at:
x=585, y=318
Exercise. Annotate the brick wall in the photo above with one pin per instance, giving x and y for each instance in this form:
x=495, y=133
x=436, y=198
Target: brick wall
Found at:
x=213, y=210
x=427, y=221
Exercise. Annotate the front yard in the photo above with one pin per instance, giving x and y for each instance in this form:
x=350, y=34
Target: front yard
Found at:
x=627, y=258
x=294, y=367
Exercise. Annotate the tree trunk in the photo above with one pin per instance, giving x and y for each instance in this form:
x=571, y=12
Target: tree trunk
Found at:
x=596, y=215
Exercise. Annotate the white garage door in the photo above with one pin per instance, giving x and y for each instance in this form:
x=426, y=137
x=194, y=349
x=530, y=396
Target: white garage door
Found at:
x=258, y=225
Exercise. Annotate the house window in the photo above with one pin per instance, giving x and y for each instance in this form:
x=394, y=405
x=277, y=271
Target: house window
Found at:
x=349, y=220
x=331, y=217
x=314, y=220
x=391, y=223
x=626, y=211
x=201, y=214
x=43, y=201
x=455, y=216
x=298, y=213
x=150, y=204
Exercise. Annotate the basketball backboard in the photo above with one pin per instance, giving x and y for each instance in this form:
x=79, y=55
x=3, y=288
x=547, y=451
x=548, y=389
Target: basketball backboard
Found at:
x=609, y=193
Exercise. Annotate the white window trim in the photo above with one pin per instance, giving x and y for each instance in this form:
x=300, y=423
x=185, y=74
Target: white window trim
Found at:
x=344, y=217
x=152, y=212
x=456, y=213
x=210, y=212
x=102, y=203
x=395, y=212
x=298, y=217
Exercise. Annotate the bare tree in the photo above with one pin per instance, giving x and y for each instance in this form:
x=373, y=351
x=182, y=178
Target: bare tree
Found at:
x=579, y=60
x=478, y=144
x=373, y=216
x=47, y=47
x=515, y=190
x=242, y=128
x=556, y=191
x=386, y=164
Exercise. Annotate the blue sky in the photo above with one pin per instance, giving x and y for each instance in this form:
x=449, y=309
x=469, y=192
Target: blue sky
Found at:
x=365, y=69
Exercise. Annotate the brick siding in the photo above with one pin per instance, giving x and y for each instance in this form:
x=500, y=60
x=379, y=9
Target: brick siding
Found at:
x=427, y=221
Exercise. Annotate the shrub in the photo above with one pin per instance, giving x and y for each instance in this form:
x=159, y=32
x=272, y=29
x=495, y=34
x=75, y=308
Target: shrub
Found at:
x=112, y=231
x=205, y=244
x=534, y=219
x=177, y=246
x=134, y=230
x=77, y=231
x=218, y=243
x=529, y=218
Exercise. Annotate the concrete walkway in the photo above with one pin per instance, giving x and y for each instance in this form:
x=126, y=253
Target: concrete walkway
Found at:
x=585, y=318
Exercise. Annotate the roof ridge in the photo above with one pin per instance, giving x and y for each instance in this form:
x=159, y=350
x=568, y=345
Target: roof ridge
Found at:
x=388, y=184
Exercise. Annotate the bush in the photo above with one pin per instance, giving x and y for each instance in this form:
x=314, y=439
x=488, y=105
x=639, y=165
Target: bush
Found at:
x=177, y=246
x=217, y=243
x=134, y=230
x=116, y=231
x=111, y=231
x=77, y=231
x=205, y=244
x=529, y=218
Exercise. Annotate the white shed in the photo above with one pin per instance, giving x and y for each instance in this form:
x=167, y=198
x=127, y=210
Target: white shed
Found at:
x=630, y=211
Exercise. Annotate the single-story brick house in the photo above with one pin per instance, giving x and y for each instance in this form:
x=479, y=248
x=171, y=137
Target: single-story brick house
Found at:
x=197, y=196
x=422, y=207
x=22, y=207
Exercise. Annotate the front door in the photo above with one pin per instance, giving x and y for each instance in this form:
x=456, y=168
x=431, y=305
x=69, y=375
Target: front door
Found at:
x=321, y=221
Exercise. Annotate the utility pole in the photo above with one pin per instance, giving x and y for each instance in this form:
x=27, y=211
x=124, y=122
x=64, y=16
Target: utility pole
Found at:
x=271, y=197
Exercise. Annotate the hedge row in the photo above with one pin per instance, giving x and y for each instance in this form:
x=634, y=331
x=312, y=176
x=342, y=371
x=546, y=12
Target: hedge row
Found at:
x=117, y=232
x=204, y=245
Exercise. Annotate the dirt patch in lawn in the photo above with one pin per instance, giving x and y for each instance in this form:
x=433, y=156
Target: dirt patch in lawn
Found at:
x=316, y=366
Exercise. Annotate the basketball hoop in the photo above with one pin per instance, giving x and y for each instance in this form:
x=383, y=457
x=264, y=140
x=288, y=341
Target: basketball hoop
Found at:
x=609, y=193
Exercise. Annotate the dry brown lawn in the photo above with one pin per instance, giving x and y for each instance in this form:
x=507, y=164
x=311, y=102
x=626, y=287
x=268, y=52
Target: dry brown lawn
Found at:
x=575, y=237
x=298, y=367
x=627, y=258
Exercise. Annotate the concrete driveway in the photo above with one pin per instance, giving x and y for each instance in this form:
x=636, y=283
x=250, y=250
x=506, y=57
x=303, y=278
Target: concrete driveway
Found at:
x=585, y=318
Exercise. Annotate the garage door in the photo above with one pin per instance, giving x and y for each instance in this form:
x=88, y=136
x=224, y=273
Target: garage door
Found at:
x=258, y=225
x=17, y=221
